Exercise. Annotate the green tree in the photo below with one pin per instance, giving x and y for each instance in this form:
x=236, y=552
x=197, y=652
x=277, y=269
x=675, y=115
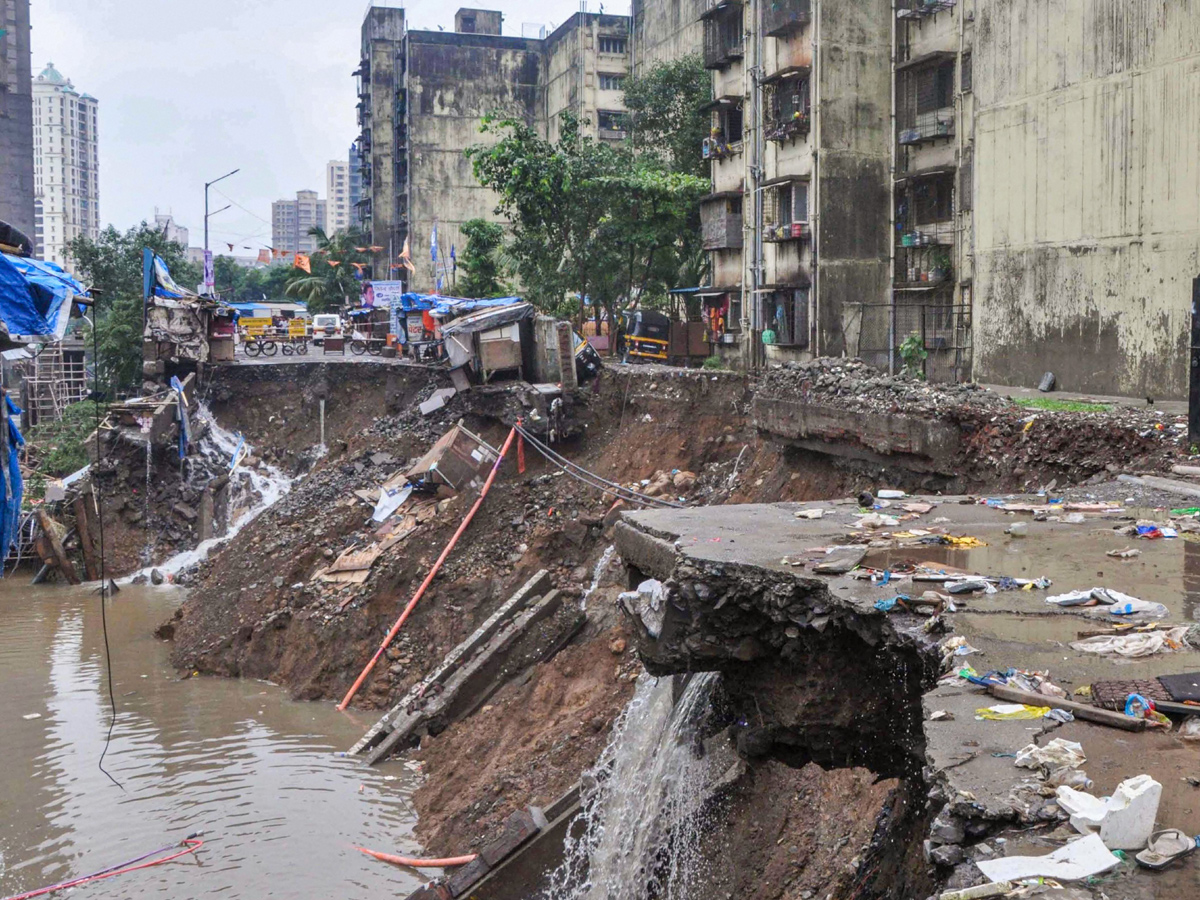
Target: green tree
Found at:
x=268, y=283
x=111, y=266
x=480, y=260
x=229, y=279
x=332, y=284
x=667, y=113
x=591, y=221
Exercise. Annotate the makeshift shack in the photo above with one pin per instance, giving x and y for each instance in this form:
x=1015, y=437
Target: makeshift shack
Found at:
x=175, y=336
x=457, y=460
x=493, y=341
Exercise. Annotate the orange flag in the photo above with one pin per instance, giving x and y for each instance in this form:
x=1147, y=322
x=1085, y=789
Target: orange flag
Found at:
x=406, y=257
x=334, y=262
x=359, y=266
x=302, y=262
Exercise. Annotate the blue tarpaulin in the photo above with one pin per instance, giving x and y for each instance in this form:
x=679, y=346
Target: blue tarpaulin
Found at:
x=35, y=298
x=13, y=487
x=456, y=306
x=157, y=280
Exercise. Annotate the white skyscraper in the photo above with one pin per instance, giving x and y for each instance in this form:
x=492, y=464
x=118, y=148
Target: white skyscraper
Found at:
x=337, y=196
x=65, y=165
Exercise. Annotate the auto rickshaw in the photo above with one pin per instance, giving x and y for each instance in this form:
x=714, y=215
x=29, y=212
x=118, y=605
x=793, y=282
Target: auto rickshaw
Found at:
x=647, y=335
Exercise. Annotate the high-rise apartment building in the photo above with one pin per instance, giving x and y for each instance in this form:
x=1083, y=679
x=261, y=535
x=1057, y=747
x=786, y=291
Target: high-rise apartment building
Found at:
x=66, y=165
x=16, y=118
x=431, y=90
x=337, y=196
x=292, y=220
x=170, y=229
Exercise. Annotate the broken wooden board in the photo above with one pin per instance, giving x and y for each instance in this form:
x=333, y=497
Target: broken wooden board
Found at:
x=469, y=685
x=534, y=587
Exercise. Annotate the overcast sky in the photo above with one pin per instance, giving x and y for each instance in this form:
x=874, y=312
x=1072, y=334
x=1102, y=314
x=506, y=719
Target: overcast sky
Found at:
x=190, y=89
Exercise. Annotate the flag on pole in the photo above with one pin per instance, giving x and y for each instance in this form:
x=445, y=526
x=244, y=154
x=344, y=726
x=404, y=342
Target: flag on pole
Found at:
x=303, y=262
x=433, y=243
x=453, y=260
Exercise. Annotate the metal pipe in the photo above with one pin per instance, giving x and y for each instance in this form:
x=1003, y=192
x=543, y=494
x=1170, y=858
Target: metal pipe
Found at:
x=891, y=236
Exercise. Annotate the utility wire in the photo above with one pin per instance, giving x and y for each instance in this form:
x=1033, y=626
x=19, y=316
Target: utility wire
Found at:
x=112, y=697
x=592, y=479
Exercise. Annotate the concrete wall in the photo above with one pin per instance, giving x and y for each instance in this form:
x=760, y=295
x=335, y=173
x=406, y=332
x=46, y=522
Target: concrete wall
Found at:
x=16, y=118
x=453, y=81
x=665, y=30
x=1087, y=192
x=852, y=108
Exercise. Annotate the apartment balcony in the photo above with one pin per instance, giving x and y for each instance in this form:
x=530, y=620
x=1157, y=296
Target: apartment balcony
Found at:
x=724, y=34
x=786, y=232
x=929, y=126
x=923, y=268
x=721, y=220
x=933, y=234
x=782, y=17
x=919, y=9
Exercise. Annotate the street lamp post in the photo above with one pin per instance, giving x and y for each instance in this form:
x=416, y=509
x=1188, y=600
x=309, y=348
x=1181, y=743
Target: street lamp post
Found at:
x=207, y=185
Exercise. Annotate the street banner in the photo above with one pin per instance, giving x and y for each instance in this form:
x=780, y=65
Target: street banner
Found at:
x=210, y=278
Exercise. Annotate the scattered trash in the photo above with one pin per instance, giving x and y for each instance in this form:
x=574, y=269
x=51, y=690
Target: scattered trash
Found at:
x=1121, y=604
x=918, y=508
x=941, y=715
x=1165, y=847
x=890, y=604
x=1189, y=729
x=1077, y=860
x=1060, y=715
x=970, y=586
x=1125, y=553
x=1018, y=529
x=1005, y=712
x=877, y=520
x=31, y=716
x=979, y=892
x=390, y=500
x=1123, y=821
x=1055, y=755
x=955, y=646
x=810, y=514
x=891, y=495
x=1136, y=645
x=648, y=604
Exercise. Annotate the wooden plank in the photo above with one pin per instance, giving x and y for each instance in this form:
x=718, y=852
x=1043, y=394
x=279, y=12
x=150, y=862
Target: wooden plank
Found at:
x=534, y=587
x=84, y=528
x=54, y=534
x=1079, y=710
x=464, y=683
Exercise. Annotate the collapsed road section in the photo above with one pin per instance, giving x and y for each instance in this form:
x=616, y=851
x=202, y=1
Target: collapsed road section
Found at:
x=885, y=640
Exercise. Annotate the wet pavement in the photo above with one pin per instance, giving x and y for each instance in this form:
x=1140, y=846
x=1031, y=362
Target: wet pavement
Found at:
x=257, y=772
x=973, y=758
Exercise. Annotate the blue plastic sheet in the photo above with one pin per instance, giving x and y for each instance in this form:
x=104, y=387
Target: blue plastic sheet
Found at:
x=35, y=298
x=13, y=486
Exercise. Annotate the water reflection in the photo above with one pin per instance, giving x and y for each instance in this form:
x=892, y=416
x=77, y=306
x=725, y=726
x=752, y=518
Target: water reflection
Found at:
x=238, y=760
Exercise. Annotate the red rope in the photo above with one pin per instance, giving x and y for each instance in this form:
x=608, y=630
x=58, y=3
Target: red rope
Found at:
x=190, y=845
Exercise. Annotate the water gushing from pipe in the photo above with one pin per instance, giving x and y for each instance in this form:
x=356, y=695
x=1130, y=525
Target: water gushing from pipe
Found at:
x=597, y=573
x=643, y=803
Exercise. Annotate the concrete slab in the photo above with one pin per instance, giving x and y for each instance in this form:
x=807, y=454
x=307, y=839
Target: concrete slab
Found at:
x=970, y=760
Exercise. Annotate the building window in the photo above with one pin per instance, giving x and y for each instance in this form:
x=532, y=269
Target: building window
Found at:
x=724, y=37
x=926, y=103
x=611, y=82
x=467, y=25
x=786, y=104
x=725, y=134
x=786, y=313
x=785, y=211
x=612, y=44
x=967, y=76
x=611, y=122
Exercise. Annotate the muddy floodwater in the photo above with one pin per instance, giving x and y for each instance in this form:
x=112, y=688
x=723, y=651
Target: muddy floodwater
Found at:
x=257, y=772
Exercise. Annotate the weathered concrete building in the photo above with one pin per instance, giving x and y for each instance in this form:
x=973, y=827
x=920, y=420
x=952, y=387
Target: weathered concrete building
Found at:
x=423, y=96
x=291, y=221
x=665, y=30
x=797, y=224
x=1086, y=192
x=16, y=117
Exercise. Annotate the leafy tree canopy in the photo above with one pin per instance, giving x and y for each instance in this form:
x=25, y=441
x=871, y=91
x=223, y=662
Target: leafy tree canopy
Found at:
x=480, y=263
x=333, y=282
x=667, y=115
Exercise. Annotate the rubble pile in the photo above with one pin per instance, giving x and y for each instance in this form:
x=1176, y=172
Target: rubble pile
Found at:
x=1003, y=442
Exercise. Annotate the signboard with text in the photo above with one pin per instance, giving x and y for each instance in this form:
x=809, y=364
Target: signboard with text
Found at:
x=255, y=325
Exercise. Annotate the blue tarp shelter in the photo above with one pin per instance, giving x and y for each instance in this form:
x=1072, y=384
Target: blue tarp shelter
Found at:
x=35, y=299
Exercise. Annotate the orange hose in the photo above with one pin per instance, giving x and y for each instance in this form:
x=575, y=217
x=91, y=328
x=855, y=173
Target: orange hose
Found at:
x=419, y=863
x=391, y=635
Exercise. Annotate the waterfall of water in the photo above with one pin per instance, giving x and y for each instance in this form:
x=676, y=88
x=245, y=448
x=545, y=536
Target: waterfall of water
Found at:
x=597, y=574
x=251, y=489
x=643, y=803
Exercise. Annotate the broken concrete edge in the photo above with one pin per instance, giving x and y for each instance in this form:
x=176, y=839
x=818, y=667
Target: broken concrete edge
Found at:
x=534, y=587
x=519, y=828
x=471, y=681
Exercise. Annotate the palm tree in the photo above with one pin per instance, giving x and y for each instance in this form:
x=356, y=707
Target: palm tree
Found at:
x=332, y=281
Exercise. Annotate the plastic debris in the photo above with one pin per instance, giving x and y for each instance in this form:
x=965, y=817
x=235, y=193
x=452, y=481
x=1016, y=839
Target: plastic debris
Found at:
x=890, y=495
x=1005, y=712
x=890, y=604
x=877, y=520
x=1077, y=860
x=1123, y=821
x=810, y=513
x=1018, y=529
x=1120, y=604
x=956, y=646
x=1124, y=553
x=1054, y=755
x=970, y=586
x=1189, y=729
x=1134, y=646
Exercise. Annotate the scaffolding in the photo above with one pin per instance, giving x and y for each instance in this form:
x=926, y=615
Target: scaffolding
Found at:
x=52, y=381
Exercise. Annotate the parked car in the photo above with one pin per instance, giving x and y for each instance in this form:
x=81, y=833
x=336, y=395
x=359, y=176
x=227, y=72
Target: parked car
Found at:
x=326, y=325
